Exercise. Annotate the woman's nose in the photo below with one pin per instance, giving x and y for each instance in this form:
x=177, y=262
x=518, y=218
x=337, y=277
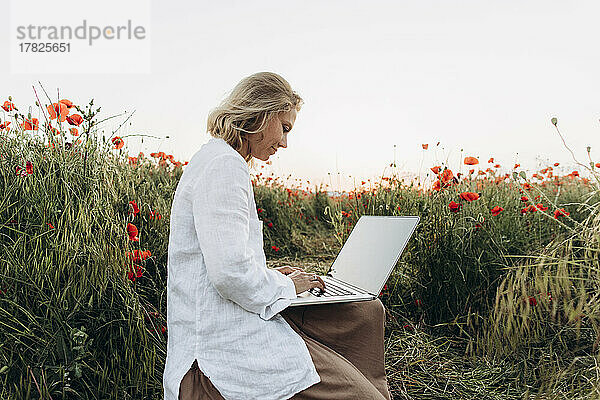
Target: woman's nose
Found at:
x=283, y=142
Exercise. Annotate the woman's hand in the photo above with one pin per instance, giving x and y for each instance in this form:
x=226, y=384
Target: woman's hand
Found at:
x=288, y=269
x=303, y=281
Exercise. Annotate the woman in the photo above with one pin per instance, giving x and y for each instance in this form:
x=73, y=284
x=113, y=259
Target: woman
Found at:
x=231, y=335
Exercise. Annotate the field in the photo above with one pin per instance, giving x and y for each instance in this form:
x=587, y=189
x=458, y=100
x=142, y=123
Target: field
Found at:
x=495, y=297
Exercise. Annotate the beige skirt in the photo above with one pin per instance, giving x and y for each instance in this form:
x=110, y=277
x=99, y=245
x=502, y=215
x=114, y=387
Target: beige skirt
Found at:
x=345, y=341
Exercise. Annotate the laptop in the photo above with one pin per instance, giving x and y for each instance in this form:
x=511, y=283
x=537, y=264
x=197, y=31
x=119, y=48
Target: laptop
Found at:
x=365, y=262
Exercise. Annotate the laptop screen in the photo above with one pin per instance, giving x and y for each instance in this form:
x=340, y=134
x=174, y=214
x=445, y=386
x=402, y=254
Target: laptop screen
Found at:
x=372, y=250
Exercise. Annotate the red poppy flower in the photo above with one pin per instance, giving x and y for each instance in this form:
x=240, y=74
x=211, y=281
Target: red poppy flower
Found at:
x=132, y=231
x=491, y=160
x=517, y=166
x=154, y=214
x=497, y=166
x=436, y=185
x=118, y=142
x=138, y=255
x=425, y=146
x=275, y=248
x=8, y=106
x=523, y=198
x=418, y=302
x=447, y=175
x=527, y=186
x=75, y=119
x=471, y=161
x=469, y=196
x=598, y=165
x=67, y=103
x=532, y=301
x=540, y=206
x=29, y=167
x=270, y=224
x=560, y=212
x=436, y=169
x=58, y=110
x=135, y=208
x=50, y=225
x=4, y=125
x=496, y=210
x=133, y=256
x=454, y=207
x=31, y=125
x=556, y=164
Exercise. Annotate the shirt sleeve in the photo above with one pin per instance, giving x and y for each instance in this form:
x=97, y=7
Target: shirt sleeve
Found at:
x=220, y=200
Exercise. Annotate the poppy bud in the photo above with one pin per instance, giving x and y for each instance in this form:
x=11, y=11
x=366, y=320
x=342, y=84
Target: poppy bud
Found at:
x=554, y=121
x=523, y=175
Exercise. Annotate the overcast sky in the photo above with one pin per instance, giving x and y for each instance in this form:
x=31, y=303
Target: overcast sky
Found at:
x=481, y=76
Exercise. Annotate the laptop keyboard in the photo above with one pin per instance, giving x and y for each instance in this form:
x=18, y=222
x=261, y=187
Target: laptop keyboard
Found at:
x=331, y=289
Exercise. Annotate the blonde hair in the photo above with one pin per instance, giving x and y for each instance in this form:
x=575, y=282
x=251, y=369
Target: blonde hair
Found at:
x=249, y=107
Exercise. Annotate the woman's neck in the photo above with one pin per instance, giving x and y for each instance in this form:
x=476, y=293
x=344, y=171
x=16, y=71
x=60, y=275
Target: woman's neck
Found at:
x=244, y=150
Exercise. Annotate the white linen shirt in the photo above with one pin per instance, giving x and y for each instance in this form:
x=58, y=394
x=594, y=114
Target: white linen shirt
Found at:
x=223, y=302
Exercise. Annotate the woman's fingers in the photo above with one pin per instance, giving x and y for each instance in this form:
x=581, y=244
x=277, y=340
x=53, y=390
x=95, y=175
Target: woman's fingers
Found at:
x=319, y=283
x=304, y=281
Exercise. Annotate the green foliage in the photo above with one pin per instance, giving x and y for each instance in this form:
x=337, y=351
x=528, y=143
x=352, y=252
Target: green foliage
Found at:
x=68, y=309
x=454, y=259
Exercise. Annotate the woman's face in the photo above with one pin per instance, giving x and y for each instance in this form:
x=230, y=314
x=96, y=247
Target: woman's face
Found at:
x=264, y=144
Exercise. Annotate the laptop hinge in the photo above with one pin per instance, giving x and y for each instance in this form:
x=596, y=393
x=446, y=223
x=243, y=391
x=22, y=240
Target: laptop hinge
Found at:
x=352, y=286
